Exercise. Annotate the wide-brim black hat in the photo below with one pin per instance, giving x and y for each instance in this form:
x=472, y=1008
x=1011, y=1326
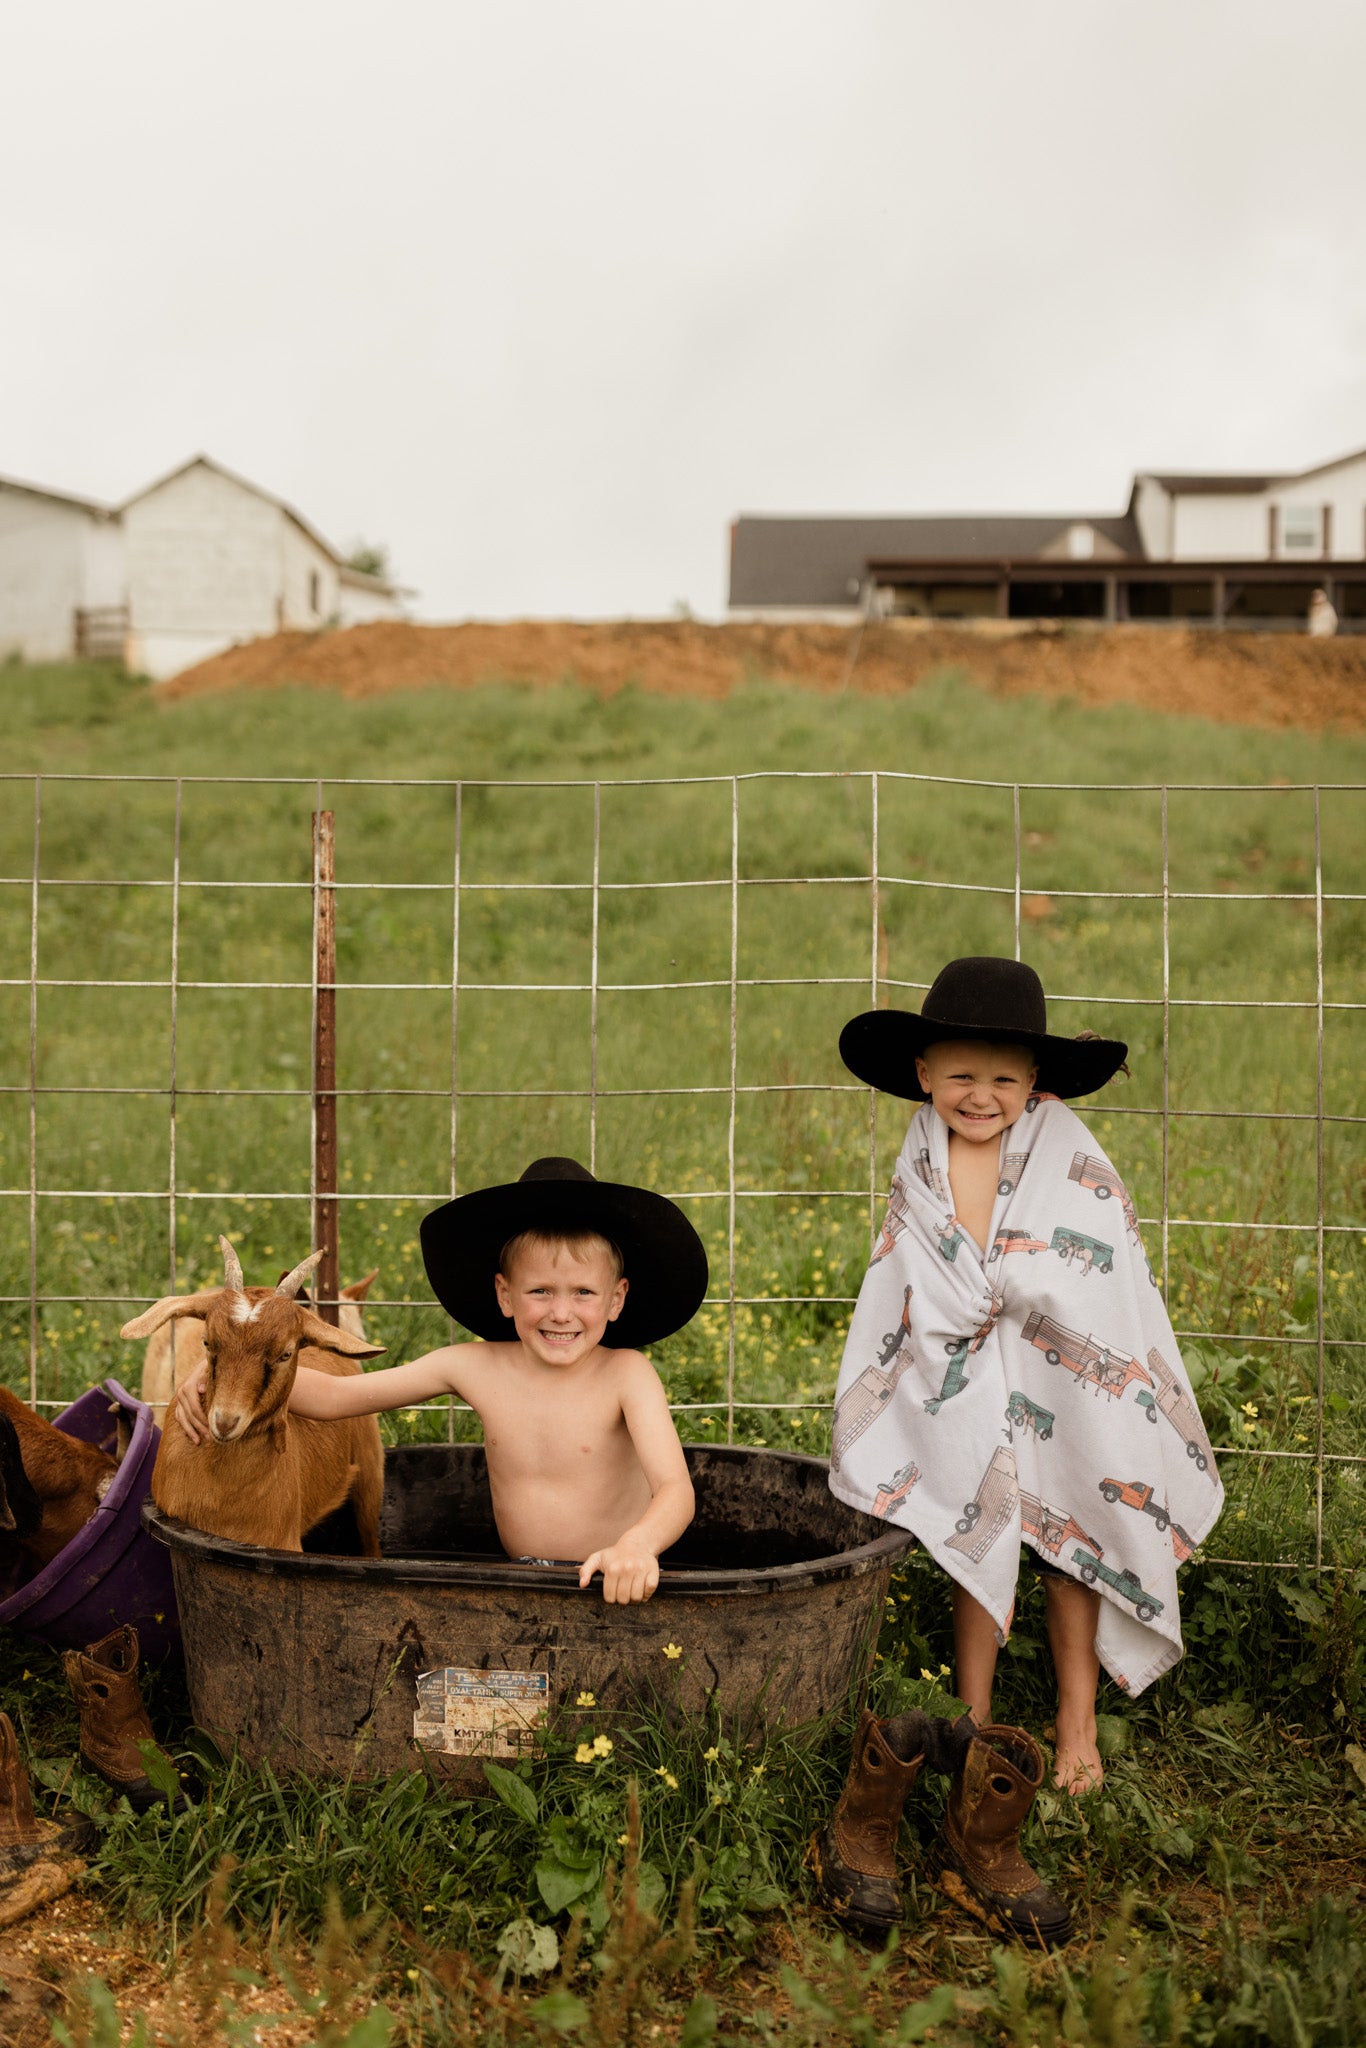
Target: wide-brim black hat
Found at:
x=976, y=998
x=663, y=1256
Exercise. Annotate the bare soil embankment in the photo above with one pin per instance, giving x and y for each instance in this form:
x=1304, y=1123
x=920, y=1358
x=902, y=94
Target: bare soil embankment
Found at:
x=1279, y=680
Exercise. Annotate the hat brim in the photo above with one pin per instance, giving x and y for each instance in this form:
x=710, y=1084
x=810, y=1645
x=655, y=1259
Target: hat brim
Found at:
x=881, y=1048
x=665, y=1261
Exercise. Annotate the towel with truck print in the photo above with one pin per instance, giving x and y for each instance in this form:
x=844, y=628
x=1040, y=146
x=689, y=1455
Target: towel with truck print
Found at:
x=1032, y=1393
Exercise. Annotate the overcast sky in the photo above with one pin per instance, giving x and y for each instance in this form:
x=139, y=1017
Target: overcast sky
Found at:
x=541, y=293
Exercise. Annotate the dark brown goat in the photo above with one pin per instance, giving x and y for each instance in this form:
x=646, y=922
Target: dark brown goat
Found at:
x=70, y=1479
x=264, y=1476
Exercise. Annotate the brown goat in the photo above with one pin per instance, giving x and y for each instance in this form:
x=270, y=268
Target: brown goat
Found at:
x=265, y=1477
x=69, y=1477
x=177, y=1348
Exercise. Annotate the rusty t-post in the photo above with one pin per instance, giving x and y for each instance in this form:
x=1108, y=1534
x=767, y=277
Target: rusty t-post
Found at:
x=325, y=1063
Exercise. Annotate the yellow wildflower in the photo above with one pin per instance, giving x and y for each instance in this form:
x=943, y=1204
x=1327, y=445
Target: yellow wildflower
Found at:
x=584, y=1753
x=602, y=1745
x=758, y=1771
x=669, y=1779
x=710, y=1756
x=585, y=1699
x=673, y=1651
x=928, y=1676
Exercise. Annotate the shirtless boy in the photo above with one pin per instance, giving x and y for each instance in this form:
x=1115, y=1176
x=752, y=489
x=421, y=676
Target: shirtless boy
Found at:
x=562, y=1276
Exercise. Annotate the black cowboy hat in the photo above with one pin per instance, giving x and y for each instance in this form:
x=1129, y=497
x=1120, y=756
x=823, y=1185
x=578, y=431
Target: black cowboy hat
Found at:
x=977, y=998
x=664, y=1260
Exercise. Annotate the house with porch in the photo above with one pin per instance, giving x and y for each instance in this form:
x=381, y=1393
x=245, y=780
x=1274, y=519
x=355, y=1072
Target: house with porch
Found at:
x=1220, y=549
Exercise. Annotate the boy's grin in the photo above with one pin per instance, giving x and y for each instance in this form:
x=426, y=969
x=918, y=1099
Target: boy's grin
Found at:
x=561, y=1305
x=978, y=1088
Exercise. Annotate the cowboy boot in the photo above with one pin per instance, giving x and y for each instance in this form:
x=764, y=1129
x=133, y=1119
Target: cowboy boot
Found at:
x=854, y=1856
x=104, y=1684
x=976, y=1857
x=24, y=1838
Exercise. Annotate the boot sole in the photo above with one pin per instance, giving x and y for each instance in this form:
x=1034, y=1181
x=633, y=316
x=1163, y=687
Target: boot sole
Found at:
x=839, y=1904
x=949, y=1879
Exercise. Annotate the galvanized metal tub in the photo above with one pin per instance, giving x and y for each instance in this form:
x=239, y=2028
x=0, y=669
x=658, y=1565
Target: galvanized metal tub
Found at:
x=313, y=1660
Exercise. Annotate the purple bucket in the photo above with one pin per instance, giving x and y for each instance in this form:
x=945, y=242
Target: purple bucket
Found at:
x=111, y=1571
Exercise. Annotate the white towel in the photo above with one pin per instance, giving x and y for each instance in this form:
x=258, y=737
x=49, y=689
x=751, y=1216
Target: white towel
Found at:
x=1033, y=1394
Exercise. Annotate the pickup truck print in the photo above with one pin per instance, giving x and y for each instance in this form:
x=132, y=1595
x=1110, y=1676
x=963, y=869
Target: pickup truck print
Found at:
x=1006, y=1241
x=1108, y=1370
x=893, y=1491
x=1134, y=1494
x=1125, y=1583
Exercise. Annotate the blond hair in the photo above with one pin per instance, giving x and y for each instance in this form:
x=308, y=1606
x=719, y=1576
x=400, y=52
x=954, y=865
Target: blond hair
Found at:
x=580, y=1244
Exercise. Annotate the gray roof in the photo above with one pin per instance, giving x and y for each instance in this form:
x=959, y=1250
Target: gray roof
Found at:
x=1226, y=484
x=792, y=559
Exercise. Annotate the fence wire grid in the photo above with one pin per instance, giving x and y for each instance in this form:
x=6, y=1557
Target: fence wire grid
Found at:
x=1315, y=1232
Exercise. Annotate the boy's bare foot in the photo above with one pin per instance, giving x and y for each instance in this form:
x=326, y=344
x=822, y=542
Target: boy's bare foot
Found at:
x=1077, y=1767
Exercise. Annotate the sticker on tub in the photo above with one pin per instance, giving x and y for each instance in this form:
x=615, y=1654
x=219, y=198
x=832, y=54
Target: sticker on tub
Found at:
x=479, y=1713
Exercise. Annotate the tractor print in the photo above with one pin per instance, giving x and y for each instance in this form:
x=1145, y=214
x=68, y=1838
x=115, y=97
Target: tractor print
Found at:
x=1134, y=1494
x=894, y=1222
x=990, y=1511
x=1022, y=1413
x=861, y=1403
x=1125, y=1583
x=1015, y=1241
x=893, y=1491
x=1180, y=1410
x=1052, y=1527
x=1073, y=1247
x=1109, y=1371
x=1012, y=1166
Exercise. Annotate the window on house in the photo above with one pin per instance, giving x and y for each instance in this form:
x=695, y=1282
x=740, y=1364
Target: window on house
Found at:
x=1081, y=542
x=1301, y=528
x=315, y=590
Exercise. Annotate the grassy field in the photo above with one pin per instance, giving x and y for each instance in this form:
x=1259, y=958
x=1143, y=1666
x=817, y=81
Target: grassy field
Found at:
x=1188, y=1797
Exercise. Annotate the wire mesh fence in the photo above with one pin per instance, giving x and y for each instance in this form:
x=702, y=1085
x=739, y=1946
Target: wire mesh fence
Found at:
x=652, y=974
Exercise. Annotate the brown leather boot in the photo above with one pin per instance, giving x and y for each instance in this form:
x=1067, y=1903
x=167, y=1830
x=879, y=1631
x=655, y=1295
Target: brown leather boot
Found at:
x=103, y=1681
x=976, y=1858
x=24, y=1838
x=854, y=1856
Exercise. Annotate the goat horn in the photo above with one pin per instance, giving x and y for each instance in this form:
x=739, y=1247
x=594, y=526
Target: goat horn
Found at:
x=292, y=1282
x=232, y=1266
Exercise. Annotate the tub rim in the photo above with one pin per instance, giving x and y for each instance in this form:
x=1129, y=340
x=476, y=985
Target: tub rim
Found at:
x=731, y=1583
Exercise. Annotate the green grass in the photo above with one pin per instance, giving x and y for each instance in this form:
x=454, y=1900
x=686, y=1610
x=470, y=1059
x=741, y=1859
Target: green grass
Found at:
x=240, y=1157
x=1228, y=1808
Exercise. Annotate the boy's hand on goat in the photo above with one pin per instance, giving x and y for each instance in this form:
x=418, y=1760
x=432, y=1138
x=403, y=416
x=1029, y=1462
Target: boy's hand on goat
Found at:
x=188, y=1406
x=629, y=1570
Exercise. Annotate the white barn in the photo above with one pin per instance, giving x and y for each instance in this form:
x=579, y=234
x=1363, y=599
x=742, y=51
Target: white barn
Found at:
x=196, y=562
x=61, y=574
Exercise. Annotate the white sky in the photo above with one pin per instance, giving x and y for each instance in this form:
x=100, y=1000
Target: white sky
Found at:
x=541, y=293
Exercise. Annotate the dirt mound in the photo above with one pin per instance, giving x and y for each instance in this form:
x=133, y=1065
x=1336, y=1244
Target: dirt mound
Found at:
x=1237, y=678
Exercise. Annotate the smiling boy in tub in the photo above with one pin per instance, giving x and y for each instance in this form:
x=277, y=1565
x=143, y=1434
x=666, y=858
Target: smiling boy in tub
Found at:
x=562, y=1276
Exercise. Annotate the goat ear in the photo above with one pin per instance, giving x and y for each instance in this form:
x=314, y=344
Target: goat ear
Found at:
x=170, y=1309
x=358, y=1289
x=316, y=1331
